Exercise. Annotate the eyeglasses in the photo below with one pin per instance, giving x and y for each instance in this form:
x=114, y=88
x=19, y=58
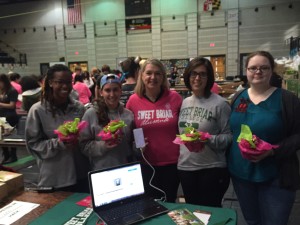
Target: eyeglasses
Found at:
x=202, y=75
x=263, y=69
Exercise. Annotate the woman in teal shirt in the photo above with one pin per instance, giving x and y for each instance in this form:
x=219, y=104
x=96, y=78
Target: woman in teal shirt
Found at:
x=265, y=194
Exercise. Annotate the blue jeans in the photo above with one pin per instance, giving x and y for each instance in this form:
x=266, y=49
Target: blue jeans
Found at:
x=264, y=203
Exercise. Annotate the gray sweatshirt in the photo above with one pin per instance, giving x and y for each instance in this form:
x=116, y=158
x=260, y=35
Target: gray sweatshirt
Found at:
x=59, y=165
x=209, y=115
x=92, y=146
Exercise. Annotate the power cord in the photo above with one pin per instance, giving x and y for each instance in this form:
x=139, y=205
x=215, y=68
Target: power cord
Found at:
x=164, y=197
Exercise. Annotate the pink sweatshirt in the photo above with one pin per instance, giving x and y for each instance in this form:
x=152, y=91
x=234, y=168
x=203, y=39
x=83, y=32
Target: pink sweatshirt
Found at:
x=159, y=121
x=83, y=92
x=19, y=90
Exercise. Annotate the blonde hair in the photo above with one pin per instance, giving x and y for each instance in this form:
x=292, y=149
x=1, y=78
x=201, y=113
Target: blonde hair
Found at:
x=140, y=86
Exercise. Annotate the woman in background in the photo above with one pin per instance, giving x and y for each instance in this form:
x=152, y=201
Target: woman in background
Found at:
x=156, y=110
x=8, y=99
x=31, y=91
x=101, y=153
x=82, y=90
x=266, y=185
x=204, y=176
x=130, y=68
x=15, y=82
x=61, y=165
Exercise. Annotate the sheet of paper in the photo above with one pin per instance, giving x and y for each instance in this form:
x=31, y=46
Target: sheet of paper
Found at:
x=203, y=216
x=14, y=211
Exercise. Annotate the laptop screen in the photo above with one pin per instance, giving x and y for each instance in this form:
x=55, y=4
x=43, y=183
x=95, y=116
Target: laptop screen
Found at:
x=116, y=184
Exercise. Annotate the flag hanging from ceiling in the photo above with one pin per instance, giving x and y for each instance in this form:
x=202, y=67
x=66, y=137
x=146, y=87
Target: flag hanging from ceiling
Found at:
x=74, y=11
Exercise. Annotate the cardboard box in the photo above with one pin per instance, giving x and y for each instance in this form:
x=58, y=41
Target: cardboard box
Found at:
x=3, y=191
x=14, y=181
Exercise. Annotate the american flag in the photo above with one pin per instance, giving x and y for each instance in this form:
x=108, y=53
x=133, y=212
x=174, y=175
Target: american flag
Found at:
x=74, y=11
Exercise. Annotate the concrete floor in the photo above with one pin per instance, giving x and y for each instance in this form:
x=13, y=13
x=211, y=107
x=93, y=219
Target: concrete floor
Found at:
x=230, y=201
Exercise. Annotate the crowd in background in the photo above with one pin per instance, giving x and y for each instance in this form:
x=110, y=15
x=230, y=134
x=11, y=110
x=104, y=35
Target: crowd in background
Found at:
x=140, y=96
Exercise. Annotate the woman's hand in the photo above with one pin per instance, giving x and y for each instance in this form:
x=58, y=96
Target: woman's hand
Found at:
x=256, y=159
x=112, y=144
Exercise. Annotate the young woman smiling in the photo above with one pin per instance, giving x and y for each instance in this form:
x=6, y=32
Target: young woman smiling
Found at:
x=105, y=154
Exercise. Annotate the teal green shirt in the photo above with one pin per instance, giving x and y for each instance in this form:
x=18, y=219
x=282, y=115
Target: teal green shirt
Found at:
x=265, y=121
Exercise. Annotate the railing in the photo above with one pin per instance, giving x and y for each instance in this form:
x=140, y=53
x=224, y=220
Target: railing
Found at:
x=10, y=55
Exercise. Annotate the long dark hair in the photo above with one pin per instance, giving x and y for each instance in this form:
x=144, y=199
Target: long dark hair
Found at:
x=102, y=112
x=4, y=79
x=200, y=61
x=47, y=93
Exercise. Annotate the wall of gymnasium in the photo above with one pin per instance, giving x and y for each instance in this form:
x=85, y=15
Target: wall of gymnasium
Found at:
x=237, y=28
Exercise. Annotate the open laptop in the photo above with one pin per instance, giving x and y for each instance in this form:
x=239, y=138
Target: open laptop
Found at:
x=19, y=134
x=118, y=195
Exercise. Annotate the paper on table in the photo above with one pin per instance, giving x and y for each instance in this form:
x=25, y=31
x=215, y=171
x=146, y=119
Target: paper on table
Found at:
x=202, y=215
x=14, y=211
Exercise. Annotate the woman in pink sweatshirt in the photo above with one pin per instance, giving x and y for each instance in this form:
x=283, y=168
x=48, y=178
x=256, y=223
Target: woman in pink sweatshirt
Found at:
x=82, y=89
x=156, y=110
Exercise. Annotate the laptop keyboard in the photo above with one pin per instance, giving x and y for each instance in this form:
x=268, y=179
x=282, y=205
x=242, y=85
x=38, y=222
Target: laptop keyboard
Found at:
x=130, y=209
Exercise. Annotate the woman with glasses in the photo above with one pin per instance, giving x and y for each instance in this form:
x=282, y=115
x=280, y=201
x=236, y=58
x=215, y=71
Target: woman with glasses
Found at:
x=61, y=164
x=266, y=184
x=203, y=173
x=156, y=111
x=104, y=154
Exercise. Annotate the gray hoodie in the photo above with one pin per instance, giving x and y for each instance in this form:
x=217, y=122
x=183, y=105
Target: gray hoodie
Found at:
x=209, y=115
x=92, y=146
x=59, y=165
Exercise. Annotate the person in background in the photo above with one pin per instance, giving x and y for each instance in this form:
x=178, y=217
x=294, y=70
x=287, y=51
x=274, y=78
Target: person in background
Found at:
x=130, y=68
x=82, y=90
x=105, y=154
x=105, y=70
x=61, y=164
x=15, y=80
x=77, y=71
x=8, y=99
x=156, y=110
x=31, y=91
x=266, y=185
x=203, y=174
x=94, y=74
x=215, y=88
x=87, y=79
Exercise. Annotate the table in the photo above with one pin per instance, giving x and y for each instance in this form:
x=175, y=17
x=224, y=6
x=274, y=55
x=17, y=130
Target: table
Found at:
x=46, y=202
x=12, y=143
x=65, y=208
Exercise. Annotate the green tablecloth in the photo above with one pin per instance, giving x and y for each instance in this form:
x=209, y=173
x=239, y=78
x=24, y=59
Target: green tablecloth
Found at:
x=68, y=208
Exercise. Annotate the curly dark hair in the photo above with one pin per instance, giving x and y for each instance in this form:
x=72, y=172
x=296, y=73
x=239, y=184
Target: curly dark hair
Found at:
x=47, y=93
x=200, y=61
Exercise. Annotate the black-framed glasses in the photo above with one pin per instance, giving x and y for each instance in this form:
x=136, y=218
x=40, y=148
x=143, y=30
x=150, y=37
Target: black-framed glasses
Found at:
x=254, y=69
x=202, y=75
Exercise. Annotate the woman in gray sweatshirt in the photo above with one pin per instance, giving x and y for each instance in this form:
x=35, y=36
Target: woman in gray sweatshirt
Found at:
x=101, y=153
x=203, y=174
x=61, y=164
